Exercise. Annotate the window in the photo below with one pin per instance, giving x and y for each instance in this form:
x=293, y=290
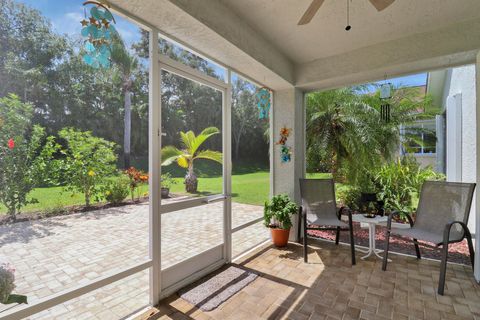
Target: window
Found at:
x=420, y=138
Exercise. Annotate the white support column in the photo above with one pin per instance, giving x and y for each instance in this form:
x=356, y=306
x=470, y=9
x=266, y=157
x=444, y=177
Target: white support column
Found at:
x=227, y=168
x=454, y=138
x=477, y=159
x=154, y=163
x=288, y=111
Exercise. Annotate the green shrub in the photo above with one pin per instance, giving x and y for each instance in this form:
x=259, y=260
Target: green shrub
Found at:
x=118, y=190
x=167, y=181
x=24, y=153
x=350, y=197
x=278, y=211
x=87, y=161
x=399, y=183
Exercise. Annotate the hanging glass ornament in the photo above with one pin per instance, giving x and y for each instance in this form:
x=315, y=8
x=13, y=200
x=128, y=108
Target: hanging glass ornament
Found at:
x=263, y=102
x=98, y=31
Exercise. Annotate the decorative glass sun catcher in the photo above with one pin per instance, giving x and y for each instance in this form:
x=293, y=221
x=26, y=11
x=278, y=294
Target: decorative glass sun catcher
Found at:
x=97, y=31
x=263, y=102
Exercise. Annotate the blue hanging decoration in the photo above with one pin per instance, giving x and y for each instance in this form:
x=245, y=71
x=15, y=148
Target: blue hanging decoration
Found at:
x=98, y=31
x=263, y=102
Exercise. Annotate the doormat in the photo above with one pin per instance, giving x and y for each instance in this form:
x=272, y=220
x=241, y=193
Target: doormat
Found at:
x=210, y=292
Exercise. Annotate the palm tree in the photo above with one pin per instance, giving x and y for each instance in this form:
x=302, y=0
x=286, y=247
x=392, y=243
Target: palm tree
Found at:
x=127, y=65
x=345, y=130
x=189, y=153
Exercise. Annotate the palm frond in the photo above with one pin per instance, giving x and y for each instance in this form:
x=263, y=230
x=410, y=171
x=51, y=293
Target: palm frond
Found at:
x=201, y=138
x=170, y=154
x=210, y=155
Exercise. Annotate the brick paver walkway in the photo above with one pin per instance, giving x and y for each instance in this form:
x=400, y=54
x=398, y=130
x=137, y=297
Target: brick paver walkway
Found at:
x=329, y=287
x=58, y=253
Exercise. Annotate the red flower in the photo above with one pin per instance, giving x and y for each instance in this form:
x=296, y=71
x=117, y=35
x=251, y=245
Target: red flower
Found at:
x=11, y=144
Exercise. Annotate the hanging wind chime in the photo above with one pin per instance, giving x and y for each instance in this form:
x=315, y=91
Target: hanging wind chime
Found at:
x=263, y=102
x=385, y=95
x=97, y=31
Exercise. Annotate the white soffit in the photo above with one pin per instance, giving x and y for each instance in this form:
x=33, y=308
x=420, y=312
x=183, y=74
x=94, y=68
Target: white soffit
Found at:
x=325, y=35
x=235, y=45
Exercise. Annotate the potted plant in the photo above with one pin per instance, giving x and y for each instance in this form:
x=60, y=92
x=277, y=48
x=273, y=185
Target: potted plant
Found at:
x=166, y=182
x=368, y=188
x=277, y=215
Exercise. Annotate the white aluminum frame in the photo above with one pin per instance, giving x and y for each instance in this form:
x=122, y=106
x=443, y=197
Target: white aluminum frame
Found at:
x=205, y=262
x=155, y=208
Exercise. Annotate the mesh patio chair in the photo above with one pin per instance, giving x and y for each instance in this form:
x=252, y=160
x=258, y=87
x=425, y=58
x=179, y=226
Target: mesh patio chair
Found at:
x=441, y=218
x=319, y=208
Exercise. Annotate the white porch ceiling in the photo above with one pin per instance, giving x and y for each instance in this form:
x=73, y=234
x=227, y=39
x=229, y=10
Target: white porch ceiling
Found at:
x=261, y=38
x=325, y=35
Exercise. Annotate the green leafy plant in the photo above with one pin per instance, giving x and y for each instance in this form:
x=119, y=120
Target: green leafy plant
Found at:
x=399, y=183
x=24, y=154
x=87, y=161
x=117, y=190
x=185, y=158
x=167, y=181
x=278, y=211
x=350, y=197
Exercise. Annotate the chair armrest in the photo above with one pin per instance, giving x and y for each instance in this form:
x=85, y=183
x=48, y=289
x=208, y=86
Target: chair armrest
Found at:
x=396, y=213
x=448, y=227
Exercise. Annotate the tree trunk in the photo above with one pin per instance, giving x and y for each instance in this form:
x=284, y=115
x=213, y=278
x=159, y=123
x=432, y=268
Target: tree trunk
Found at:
x=237, y=148
x=87, y=198
x=127, y=129
x=191, y=181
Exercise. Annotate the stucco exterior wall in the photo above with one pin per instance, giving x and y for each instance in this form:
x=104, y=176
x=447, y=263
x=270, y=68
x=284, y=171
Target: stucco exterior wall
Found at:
x=288, y=111
x=428, y=160
x=461, y=80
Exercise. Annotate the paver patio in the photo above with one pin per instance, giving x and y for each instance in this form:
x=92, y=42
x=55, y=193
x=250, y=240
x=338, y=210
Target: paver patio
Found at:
x=329, y=287
x=55, y=254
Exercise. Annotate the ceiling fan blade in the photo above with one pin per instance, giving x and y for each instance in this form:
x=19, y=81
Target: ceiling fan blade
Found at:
x=381, y=4
x=311, y=11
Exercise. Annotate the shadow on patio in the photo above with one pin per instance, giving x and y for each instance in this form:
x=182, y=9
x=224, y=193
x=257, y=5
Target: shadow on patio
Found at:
x=329, y=287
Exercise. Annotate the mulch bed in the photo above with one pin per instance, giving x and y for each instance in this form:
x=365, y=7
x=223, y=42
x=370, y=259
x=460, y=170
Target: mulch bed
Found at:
x=32, y=216
x=458, y=252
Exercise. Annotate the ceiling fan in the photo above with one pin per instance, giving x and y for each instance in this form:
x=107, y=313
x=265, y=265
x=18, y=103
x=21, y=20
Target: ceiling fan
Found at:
x=316, y=4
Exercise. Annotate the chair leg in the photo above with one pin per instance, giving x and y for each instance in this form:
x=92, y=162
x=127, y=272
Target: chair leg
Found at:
x=417, y=249
x=352, y=239
x=470, y=249
x=443, y=268
x=337, y=236
x=385, y=253
x=305, y=246
x=299, y=232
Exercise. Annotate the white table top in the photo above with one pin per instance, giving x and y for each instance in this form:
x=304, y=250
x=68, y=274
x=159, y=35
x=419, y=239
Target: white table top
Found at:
x=376, y=220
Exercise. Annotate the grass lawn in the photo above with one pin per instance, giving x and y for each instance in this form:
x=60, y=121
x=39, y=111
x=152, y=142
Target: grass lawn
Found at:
x=249, y=188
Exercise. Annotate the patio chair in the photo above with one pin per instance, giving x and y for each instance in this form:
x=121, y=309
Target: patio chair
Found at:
x=441, y=218
x=319, y=208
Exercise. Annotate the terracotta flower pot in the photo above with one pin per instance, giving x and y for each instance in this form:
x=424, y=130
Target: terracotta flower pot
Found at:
x=280, y=236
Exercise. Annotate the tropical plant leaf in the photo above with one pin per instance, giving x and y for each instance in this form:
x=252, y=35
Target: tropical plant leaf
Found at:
x=202, y=137
x=182, y=161
x=210, y=155
x=169, y=155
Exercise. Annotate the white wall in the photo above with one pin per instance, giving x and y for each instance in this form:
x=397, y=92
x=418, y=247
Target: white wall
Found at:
x=461, y=80
x=288, y=111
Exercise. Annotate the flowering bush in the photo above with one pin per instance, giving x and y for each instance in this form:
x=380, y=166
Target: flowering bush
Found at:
x=7, y=281
x=136, y=177
x=24, y=154
x=116, y=191
x=87, y=161
x=7, y=284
